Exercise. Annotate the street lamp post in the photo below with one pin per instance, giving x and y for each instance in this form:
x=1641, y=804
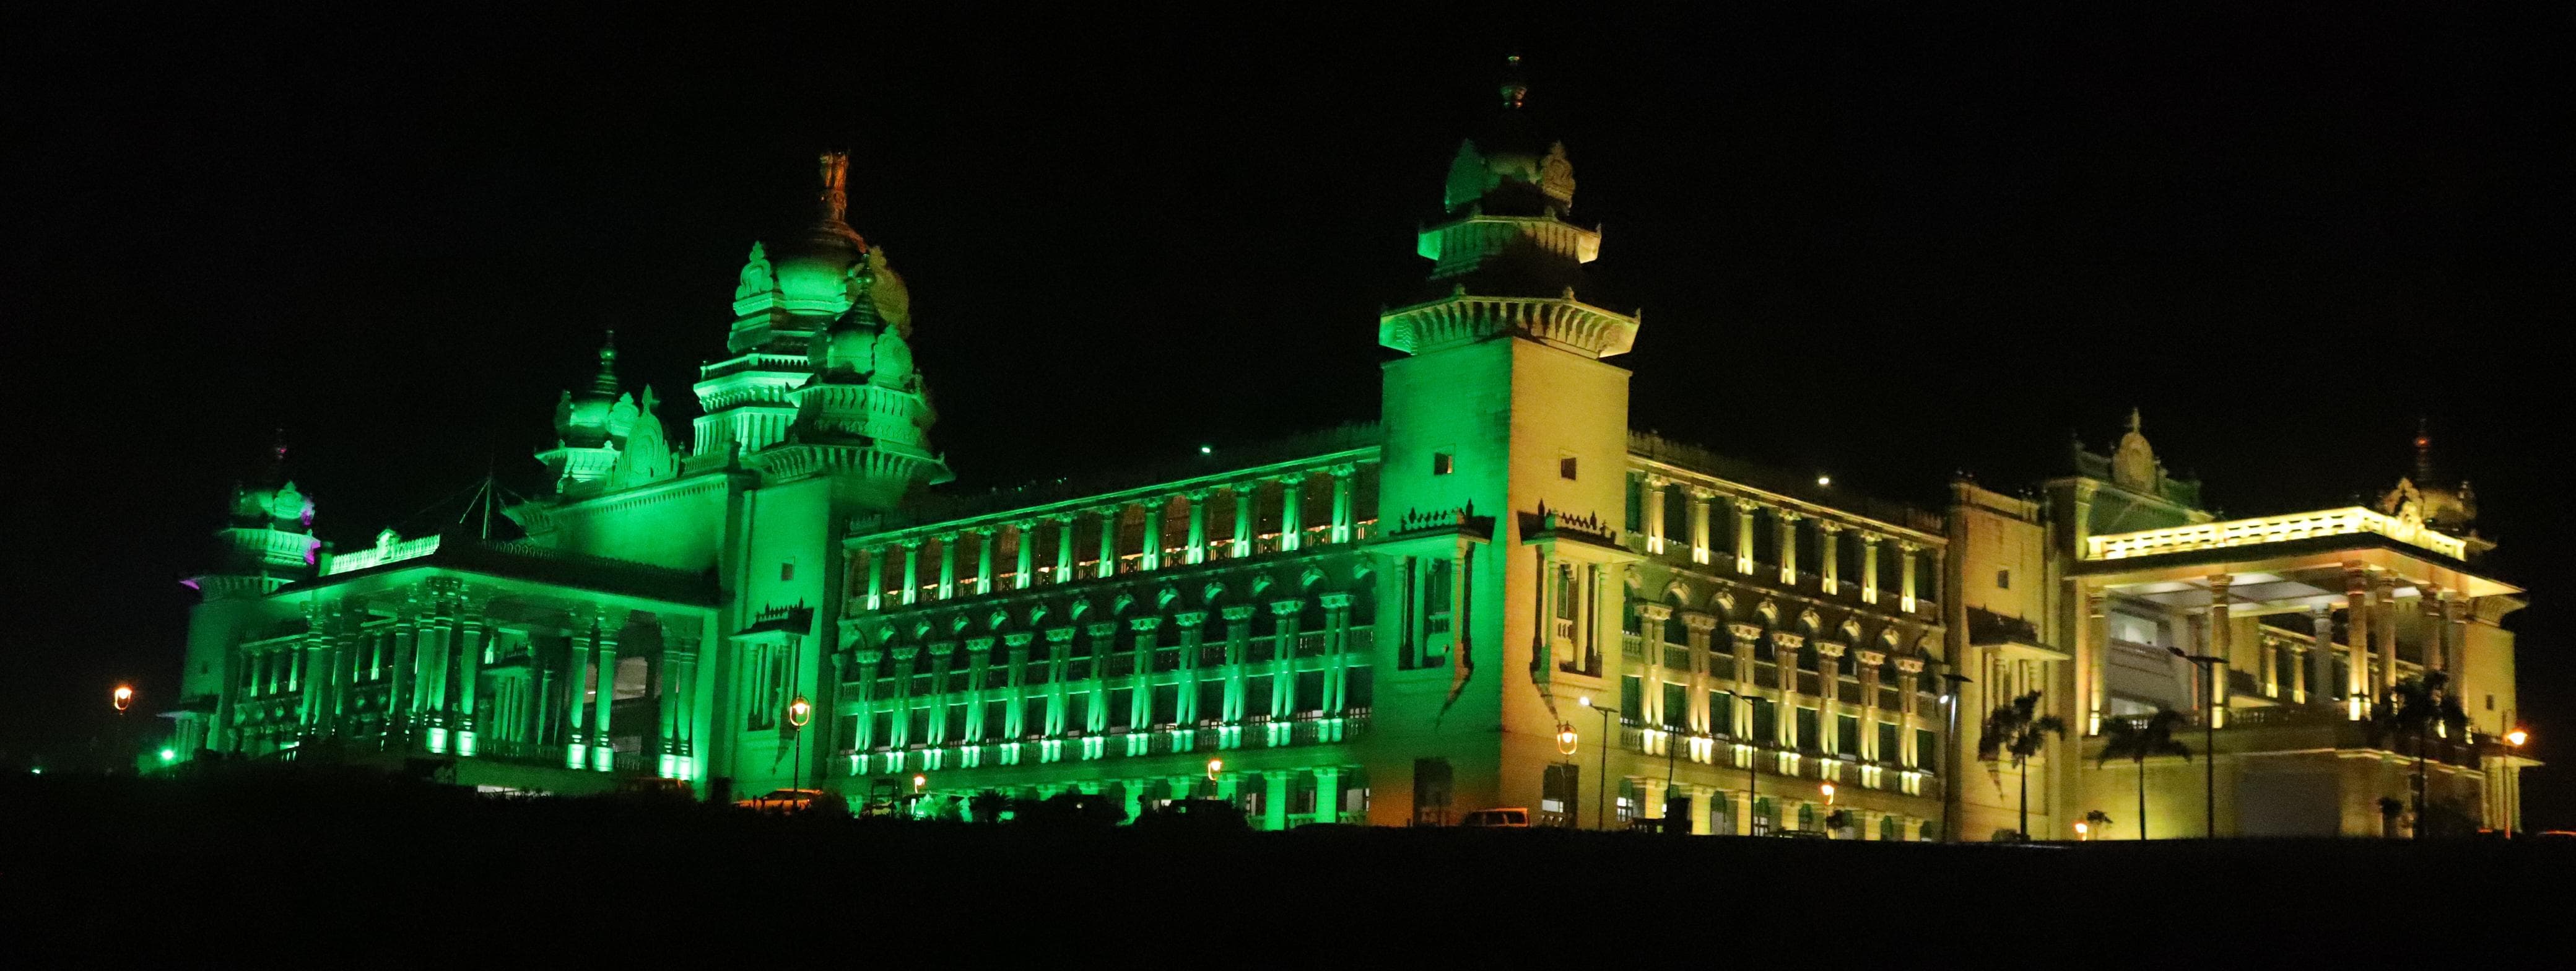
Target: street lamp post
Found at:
x=1565, y=741
x=122, y=698
x=1600, y=802
x=2208, y=737
x=799, y=712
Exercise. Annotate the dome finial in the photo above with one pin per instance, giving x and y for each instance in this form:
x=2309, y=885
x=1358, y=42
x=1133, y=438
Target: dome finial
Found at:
x=607, y=380
x=834, y=195
x=2134, y=422
x=2423, y=451
x=1514, y=89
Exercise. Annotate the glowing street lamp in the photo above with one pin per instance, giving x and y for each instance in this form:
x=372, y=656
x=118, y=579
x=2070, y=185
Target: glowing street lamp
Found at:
x=2512, y=800
x=1600, y=802
x=799, y=712
x=2083, y=832
x=1215, y=766
x=1565, y=738
x=122, y=697
x=1828, y=789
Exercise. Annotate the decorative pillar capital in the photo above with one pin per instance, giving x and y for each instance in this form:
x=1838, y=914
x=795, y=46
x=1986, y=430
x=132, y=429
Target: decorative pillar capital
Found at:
x=1830, y=650
x=1869, y=658
x=1144, y=623
x=1785, y=641
x=1909, y=665
x=1190, y=619
x=1287, y=608
x=1336, y=601
x=978, y=645
x=1698, y=621
x=1237, y=612
x=1748, y=633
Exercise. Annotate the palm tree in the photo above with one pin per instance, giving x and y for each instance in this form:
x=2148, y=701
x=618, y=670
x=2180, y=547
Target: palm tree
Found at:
x=2413, y=707
x=2018, y=730
x=2101, y=822
x=2136, y=738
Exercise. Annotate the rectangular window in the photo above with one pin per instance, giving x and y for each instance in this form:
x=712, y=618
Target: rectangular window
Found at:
x=1431, y=783
x=1166, y=704
x=1122, y=707
x=1887, y=741
x=1436, y=595
x=917, y=728
x=1211, y=700
x=1721, y=712
x=1766, y=720
x=1565, y=592
x=997, y=715
x=1256, y=696
x=786, y=571
x=1927, y=753
x=955, y=730
x=1632, y=698
x=881, y=729
x=1847, y=735
x=1033, y=718
x=1310, y=692
x=1565, y=468
x=848, y=726
x=1358, y=690
x=1676, y=706
x=1560, y=790
x=1077, y=711
x=2003, y=579
x=1442, y=463
x=1809, y=739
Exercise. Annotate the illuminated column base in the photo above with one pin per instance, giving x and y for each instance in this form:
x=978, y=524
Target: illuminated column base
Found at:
x=465, y=743
x=602, y=758
x=437, y=740
x=575, y=755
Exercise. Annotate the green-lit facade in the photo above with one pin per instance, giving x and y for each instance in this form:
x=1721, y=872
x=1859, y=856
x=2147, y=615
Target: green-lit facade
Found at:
x=1496, y=596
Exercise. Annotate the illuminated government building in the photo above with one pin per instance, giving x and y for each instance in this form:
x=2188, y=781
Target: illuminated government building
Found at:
x=1498, y=595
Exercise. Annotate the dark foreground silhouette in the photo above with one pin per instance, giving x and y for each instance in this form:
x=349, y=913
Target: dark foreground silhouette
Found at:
x=261, y=857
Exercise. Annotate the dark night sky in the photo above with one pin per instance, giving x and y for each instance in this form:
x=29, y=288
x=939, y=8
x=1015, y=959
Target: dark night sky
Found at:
x=1869, y=241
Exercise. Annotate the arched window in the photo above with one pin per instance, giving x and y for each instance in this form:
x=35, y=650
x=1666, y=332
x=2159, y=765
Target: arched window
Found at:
x=1675, y=630
x=1762, y=816
x=1887, y=828
x=1806, y=815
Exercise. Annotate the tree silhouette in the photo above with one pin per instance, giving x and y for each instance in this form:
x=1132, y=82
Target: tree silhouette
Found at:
x=2135, y=739
x=2018, y=730
x=2413, y=708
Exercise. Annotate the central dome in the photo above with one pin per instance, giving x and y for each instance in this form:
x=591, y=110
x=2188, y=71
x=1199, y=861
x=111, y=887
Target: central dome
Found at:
x=814, y=267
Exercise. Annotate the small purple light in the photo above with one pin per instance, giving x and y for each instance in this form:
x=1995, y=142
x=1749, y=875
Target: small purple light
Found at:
x=190, y=584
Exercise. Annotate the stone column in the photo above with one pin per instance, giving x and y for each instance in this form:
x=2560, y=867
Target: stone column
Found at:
x=1829, y=659
x=1024, y=554
x=2428, y=600
x=399, y=682
x=1191, y=627
x=984, y=559
x=2357, y=685
x=1905, y=590
x=2320, y=685
x=876, y=577
x=1870, y=662
x=1345, y=518
x=576, y=742
x=1109, y=542
x=1291, y=489
x=1140, y=712
x=469, y=673
x=1699, y=524
x=1150, y=553
x=2222, y=645
x=2384, y=630
x=979, y=685
x=1784, y=653
x=1745, y=637
x=1699, y=626
x=1243, y=500
x=1198, y=525
x=1655, y=487
x=948, y=566
x=1328, y=794
x=1909, y=674
x=1829, y=569
x=1274, y=801
x=2455, y=645
x=2094, y=644
x=1744, y=534
x=603, y=751
x=911, y=571
x=317, y=665
x=1337, y=632
x=1238, y=634
x=1063, y=547
x=1869, y=567
x=1788, y=523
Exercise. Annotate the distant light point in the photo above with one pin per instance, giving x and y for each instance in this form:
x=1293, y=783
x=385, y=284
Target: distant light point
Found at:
x=1824, y=480
x=1206, y=450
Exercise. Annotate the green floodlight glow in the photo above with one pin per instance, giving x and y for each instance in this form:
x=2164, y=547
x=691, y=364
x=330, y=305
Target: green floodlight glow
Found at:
x=169, y=755
x=39, y=770
x=1206, y=450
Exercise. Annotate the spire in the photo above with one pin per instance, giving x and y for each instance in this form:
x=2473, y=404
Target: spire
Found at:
x=606, y=382
x=2423, y=451
x=1515, y=88
x=2134, y=422
x=834, y=197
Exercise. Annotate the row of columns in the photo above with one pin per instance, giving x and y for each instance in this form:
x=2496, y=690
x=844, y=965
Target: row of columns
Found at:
x=1154, y=555
x=1785, y=646
x=430, y=661
x=1829, y=533
x=1704, y=815
x=2371, y=609
x=985, y=678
